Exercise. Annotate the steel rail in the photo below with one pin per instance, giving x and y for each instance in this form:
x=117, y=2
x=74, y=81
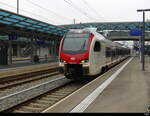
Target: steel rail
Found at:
x=19, y=97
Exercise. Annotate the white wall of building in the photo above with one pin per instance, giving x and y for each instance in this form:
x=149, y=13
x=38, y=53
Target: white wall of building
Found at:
x=43, y=51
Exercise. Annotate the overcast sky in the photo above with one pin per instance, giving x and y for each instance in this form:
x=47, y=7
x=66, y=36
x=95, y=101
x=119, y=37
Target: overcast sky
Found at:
x=64, y=11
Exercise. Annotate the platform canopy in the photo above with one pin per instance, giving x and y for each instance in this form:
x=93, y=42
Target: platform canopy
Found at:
x=25, y=26
x=110, y=25
x=118, y=31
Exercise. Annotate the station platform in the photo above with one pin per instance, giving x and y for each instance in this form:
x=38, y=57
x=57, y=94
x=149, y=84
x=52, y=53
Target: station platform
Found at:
x=25, y=63
x=128, y=91
x=27, y=58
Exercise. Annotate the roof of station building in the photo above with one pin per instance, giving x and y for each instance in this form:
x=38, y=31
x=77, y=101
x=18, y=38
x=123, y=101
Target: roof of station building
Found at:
x=15, y=21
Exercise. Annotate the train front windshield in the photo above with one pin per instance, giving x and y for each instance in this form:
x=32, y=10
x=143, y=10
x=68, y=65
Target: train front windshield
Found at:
x=75, y=43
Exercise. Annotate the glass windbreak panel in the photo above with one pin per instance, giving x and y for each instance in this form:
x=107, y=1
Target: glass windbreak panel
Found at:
x=49, y=32
x=42, y=24
x=75, y=43
x=36, y=26
x=46, y=28
x=31, y=21
x=11, y=20
x=54, y=30
x=24, y=23
x=18, y=25
x=17, y=17
x=4, y=13
x=31, y=28
x=59, y=29
x=41, y=30
x=52, y=27
x=5, y=22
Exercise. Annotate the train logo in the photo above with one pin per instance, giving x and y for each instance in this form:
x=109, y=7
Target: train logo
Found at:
x=72, y=58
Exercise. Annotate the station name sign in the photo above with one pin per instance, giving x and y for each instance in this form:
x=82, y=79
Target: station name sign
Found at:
x=13, y=36
x=135, y=32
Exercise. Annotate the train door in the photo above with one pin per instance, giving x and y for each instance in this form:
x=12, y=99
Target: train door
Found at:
x=95, y=57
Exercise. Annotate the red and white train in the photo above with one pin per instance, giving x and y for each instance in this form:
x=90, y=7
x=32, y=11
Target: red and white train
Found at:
x=85, y=52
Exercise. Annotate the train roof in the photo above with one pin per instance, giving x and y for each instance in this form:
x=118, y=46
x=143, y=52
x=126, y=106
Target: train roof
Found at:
x=101, y=37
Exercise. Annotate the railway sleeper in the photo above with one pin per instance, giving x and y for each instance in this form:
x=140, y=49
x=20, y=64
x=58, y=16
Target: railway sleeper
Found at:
x=43, y=101
x=19, y=111
x=38, y=105
x=31, y=108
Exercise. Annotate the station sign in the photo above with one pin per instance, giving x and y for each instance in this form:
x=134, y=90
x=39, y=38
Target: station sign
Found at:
x=40, y=42
x=135, y=32
x=13, y=36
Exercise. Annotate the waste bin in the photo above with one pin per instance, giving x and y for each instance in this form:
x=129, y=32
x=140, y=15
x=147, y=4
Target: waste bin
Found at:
x=36, y=58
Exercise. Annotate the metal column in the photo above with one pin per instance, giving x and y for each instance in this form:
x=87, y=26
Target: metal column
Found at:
x=35, y=47
x=10, y=53
x=55, y=48
x=52, y=48
x=39, y=51
x=143, y=38
x=18, y=50
x=143, y=43
x=140, y=46
x=17, y=6
x=32, y=52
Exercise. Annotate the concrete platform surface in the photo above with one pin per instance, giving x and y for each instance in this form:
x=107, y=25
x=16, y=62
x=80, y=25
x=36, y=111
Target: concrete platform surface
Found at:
x=129, y=92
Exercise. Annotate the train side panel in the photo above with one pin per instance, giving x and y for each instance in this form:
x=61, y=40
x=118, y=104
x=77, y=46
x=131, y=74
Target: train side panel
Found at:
x=96, y=57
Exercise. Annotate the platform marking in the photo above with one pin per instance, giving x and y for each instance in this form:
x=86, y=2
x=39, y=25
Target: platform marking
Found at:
x=88, y=100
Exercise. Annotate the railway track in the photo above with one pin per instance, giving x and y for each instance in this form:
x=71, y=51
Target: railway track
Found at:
x=22, y=78
x=22, y=73
x=25, y=83
x=24, y=94
x=40, y=103
x=39, y=97
x=14, y=83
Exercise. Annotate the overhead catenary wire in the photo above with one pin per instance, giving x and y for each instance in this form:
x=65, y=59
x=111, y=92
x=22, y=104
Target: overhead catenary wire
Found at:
x=49, y=11
x=78, y=9
x=92, y=9
x=10, y=6
x=81, y=11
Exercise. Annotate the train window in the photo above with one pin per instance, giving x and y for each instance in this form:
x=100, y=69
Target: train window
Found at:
x=97, y=46
x=108, y=52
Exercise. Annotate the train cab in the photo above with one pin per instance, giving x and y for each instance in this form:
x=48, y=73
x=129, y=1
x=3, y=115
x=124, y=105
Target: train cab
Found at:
x=74, y=53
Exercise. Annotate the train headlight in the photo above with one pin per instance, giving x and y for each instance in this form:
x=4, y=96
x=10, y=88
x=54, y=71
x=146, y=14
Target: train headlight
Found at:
x=84, y=61
x=62, y=61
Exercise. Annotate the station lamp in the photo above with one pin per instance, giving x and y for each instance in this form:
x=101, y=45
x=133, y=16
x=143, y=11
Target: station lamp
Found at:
x=17, y=6
x=143, y=38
